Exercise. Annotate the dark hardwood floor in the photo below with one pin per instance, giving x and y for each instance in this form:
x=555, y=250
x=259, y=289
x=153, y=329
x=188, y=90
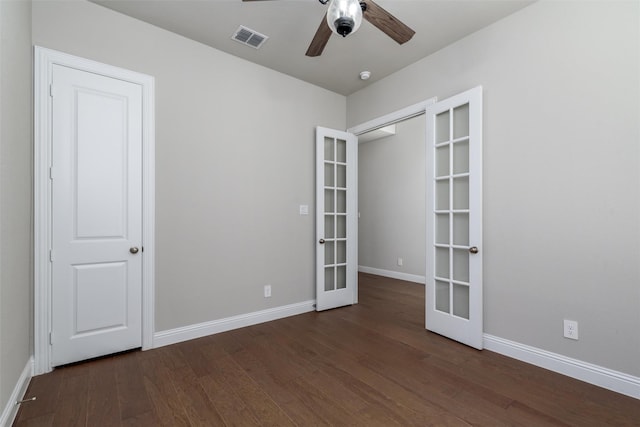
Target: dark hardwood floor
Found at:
x=372, y=364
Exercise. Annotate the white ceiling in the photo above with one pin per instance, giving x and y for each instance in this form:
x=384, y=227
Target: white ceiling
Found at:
x=291, y=24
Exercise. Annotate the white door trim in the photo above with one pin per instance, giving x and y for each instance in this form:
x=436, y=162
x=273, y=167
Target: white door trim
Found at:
x=44, y=59
x=394, y=117
x=388, y=119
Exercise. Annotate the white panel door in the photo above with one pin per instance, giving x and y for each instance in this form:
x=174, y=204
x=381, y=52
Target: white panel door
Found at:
x=96, y=216
x=336, y=218
x=454, y=218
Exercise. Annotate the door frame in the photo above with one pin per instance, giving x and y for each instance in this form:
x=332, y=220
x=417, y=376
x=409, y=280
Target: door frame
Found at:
x=415, y=110
x=44, y=60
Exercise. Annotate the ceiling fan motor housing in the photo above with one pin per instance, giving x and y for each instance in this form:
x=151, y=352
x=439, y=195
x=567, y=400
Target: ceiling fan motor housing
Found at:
x=344, y=26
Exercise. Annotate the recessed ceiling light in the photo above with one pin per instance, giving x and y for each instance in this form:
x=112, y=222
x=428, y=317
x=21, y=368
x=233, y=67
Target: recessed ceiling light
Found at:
x=364, y=75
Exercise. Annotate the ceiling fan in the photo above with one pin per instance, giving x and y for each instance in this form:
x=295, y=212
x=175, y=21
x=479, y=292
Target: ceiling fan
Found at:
x=344, y=16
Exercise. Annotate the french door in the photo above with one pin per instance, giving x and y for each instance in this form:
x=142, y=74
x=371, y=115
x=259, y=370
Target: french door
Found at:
x=336, y=218
x=454, y=218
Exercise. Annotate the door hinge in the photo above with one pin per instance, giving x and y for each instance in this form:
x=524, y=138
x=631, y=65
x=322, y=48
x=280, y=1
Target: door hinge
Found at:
x=51, y=173
x=51, y=90
x=50, y=255
x=50, y=338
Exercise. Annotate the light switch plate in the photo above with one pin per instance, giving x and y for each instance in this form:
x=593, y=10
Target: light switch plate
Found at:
x=304, y=209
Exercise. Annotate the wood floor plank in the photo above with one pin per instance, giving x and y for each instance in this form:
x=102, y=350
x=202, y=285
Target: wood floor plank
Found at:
x=133, y=399
x=231, y=407
x=46, y=389
x=162, y=392
x=279, y=390
x=378, y=402
x=440, y=395
x=72, y=407
x=375, y=416
x=198, y=407
x=279, y=363
x=522, y=414
x=41, y=421
x=371, y=364
x=262, y=407
x=407, y=405
x=142, y=419
x=326, y=408
x=195, y=357
x=103, y=407
x=538, y=396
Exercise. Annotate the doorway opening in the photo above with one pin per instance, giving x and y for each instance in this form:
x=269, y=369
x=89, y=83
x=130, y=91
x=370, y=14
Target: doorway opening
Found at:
x=400, y=125
x=392, y=200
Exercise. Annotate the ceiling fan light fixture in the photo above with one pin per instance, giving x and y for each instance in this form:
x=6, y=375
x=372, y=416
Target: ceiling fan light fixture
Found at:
x=344, y=16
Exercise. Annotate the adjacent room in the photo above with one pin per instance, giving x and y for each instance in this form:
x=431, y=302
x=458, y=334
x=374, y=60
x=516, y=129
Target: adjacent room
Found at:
x=248, y=221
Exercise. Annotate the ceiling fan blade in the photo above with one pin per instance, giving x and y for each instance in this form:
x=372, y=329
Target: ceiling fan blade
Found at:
x=320, y=39
x=387, y=23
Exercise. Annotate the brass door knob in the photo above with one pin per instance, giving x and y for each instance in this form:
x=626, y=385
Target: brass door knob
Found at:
x=133, y=250
x=473, y=249
x=321, y=241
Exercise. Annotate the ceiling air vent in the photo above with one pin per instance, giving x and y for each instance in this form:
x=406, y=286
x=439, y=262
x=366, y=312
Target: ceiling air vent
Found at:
x=249, y=37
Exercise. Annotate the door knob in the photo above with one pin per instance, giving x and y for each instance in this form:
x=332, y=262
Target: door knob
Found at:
x=473, y=249
x=321, y=241
x=133, y=250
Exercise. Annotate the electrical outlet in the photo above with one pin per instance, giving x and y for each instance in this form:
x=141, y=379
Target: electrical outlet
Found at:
x=400, y=262
x=571, y=329
x=267, y=291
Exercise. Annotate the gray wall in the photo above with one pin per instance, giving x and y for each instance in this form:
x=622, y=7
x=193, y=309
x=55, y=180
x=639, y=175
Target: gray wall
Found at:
x=234, y=158
x=391, y=200
x=561, y=170
x=15, y=194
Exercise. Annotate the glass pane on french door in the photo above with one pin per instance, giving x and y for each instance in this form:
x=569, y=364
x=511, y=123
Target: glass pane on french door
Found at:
x=335, y=213
x=451, y=194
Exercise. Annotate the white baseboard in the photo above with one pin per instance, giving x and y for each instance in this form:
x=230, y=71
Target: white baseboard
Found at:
x=587, y=372
x=11, y=409
x=199, y=330
x=392, y=274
